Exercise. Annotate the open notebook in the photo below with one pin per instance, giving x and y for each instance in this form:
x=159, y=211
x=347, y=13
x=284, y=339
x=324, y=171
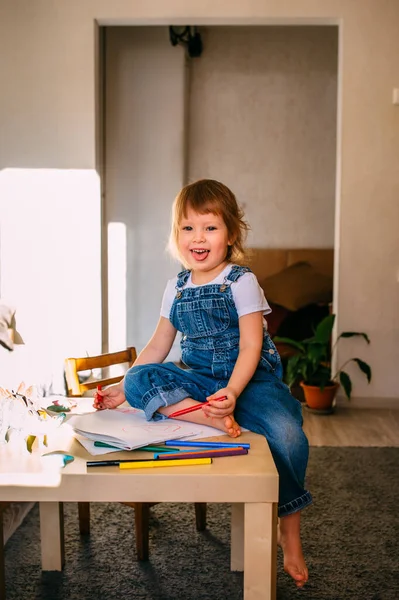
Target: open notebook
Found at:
x=127, y=429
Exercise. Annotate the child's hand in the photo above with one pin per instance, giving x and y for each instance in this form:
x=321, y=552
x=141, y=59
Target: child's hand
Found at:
x=111, y=397
x=221, y=408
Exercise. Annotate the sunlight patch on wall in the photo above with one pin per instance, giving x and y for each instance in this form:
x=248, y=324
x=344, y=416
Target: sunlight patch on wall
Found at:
x=117, y=273
x=50, y=266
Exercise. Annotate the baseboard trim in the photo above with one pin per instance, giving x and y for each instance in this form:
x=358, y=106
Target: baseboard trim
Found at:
x=386, y=403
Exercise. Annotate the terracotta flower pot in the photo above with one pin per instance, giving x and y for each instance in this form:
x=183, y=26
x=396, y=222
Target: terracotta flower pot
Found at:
x=317, y=399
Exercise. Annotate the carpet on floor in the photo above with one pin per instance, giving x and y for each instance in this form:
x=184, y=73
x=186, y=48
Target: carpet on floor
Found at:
x=350, y=538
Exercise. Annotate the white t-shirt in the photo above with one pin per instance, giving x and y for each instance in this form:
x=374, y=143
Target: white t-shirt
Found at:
x=248, y=296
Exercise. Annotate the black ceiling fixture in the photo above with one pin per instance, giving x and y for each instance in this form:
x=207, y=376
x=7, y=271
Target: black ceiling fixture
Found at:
x=187, y=36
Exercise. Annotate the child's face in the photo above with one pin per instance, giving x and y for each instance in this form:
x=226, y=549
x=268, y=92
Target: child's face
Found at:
x=203, y=241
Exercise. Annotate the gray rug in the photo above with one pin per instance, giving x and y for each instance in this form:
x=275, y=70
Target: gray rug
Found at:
x=350, y=535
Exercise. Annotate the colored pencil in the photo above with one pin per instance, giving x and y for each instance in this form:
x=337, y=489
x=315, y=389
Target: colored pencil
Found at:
x=165, y=463
x=98, y=444
x=194, y=444
x=96, y=396
x=190, y=409
x=159, y=449
x=115, y=463
x=211, y=453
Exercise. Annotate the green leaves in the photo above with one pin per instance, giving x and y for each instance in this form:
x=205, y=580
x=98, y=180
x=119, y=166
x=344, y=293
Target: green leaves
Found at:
x=290, y=342
x=324, y=330
x=346, y=383
x=364, y=367
x=312, y=362
x=348, y=334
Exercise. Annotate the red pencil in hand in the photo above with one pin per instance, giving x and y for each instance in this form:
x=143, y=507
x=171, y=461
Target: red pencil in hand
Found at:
x=184, y=411
x=97, y=398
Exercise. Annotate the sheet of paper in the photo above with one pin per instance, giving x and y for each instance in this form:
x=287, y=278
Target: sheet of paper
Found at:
x=128, y=428
x=91, y=448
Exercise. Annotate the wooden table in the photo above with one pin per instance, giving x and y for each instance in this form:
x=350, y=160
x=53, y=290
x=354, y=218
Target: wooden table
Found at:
x=248, y=482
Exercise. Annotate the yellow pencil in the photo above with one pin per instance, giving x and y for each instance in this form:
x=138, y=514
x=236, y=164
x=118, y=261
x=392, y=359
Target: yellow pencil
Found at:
x=149, y=464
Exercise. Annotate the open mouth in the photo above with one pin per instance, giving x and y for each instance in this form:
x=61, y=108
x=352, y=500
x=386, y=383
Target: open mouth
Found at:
x=199, y=254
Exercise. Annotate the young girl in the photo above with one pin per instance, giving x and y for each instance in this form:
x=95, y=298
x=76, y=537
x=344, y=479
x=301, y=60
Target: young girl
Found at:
x=219, y=308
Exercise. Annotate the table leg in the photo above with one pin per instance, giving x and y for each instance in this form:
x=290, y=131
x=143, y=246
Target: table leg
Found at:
x=260, y=551
x=52, y=535
x=237, y=537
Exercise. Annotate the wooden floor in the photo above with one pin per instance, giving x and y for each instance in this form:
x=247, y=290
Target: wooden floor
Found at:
x=353, y=427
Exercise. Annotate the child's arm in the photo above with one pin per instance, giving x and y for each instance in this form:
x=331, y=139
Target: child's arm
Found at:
x=159, y=345
x=251, y=339
x=155, y=351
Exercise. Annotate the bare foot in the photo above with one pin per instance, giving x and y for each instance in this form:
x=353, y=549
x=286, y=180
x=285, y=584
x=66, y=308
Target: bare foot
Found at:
x=290, y=541
x=228, y=424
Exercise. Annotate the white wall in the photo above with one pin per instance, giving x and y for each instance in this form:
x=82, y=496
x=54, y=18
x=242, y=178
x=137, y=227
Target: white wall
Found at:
x=47, y=120
x=145, y=83
x=262, y=119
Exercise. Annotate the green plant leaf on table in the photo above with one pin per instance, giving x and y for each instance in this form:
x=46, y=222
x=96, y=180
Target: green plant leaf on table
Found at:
x=29, y=442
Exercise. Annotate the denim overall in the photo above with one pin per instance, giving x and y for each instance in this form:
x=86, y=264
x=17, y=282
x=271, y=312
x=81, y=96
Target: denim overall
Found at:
x=207, y=317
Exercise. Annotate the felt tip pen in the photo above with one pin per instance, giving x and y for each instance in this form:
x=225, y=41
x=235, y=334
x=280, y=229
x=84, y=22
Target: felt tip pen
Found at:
x=185, y=411
x=157, y=449
x=98, y=444
x=210, y=453
x=115, y=463
x=150, y=464
x=193, y=444
x=96, y=396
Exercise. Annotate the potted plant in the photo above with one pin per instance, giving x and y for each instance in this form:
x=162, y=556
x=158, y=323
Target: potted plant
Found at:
x=311, y=366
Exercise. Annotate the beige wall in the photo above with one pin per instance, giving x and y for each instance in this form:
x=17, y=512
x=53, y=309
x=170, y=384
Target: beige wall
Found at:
x=262, y=119
x=47, y=119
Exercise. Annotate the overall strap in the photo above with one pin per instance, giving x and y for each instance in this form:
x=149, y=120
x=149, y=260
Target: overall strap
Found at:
x=182, y=278
x=236, y=272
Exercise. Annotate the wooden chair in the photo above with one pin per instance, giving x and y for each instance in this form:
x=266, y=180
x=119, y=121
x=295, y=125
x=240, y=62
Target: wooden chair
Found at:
x=73, y=366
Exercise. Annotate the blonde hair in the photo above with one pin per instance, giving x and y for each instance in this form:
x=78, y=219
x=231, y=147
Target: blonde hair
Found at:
x=210, y=196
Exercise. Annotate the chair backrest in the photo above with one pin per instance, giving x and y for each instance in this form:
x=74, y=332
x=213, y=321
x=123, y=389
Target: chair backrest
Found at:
x=73, y=366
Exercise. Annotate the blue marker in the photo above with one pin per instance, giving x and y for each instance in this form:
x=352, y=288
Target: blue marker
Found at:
x=205, y=444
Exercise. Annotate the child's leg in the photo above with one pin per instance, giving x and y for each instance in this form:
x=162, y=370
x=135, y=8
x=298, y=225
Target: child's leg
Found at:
x=160, y=389
x=289, y=538
x=268, y=408
x=227, y=424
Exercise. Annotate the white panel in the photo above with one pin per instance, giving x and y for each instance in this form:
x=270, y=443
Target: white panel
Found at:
x=50, y=270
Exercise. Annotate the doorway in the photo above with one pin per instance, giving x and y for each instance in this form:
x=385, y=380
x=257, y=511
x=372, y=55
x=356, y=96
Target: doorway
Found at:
x=257, y=110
